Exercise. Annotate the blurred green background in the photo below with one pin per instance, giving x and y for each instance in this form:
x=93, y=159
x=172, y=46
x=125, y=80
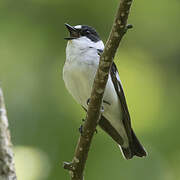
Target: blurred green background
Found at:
x=44, y=119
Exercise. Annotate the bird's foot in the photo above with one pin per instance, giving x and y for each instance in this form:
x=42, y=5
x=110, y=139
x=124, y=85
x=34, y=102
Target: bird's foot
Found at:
x=87, y=102
x=104, y=101
x=81, y=129
x=102, y=109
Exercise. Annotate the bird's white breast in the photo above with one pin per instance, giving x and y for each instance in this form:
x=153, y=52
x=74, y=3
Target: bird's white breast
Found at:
x=78, y=74
x=79, y=71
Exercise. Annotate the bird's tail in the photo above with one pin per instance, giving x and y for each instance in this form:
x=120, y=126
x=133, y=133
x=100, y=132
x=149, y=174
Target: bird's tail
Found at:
x=135, y=148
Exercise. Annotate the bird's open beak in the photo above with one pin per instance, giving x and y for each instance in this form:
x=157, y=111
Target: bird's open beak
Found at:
x=73, y=32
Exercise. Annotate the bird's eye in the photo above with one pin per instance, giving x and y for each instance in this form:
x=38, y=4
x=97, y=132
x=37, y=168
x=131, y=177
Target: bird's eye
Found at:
x=85, y=32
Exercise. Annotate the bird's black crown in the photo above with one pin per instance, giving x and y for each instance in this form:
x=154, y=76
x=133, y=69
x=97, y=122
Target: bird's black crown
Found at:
x=89, y=32
x=82, y=30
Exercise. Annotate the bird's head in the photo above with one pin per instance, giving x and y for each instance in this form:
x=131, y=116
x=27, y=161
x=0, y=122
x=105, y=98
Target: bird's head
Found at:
x=82, y=31
x=84, y=36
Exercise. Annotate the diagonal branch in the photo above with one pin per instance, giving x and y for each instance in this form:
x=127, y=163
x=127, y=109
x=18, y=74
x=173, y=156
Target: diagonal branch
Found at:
x=7, y=170
x=119, y=28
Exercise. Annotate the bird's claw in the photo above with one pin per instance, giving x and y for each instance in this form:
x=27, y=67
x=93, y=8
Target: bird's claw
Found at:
x=81, y=129
x=87, y=102
x=102, y=109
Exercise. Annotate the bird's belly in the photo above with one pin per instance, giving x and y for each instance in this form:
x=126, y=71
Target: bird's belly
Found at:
x=78, y=80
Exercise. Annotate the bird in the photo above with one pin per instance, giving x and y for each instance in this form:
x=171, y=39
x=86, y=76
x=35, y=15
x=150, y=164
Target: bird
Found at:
x=83, y=51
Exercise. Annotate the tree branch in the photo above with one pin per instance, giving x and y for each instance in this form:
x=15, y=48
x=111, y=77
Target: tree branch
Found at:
x=119, y=28
x=7, y=170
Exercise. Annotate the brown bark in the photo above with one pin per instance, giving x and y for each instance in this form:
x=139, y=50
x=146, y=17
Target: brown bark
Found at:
x=7, y=169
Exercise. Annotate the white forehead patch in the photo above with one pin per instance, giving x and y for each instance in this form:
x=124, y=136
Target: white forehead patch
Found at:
x=78, y=27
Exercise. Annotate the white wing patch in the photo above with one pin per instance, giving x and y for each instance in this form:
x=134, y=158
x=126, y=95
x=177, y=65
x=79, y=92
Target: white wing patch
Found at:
x=118, y=78
x=78, y=27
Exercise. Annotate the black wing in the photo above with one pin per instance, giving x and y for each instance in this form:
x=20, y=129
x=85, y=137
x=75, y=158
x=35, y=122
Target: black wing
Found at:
x=135, y=147
x=119, y=90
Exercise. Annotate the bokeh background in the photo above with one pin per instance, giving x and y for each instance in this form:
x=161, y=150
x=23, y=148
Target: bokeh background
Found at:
x=43, y=117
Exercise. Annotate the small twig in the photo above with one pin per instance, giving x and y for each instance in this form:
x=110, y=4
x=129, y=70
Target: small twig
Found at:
x=119, y=28
x=7, y=169
x=68, y=166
